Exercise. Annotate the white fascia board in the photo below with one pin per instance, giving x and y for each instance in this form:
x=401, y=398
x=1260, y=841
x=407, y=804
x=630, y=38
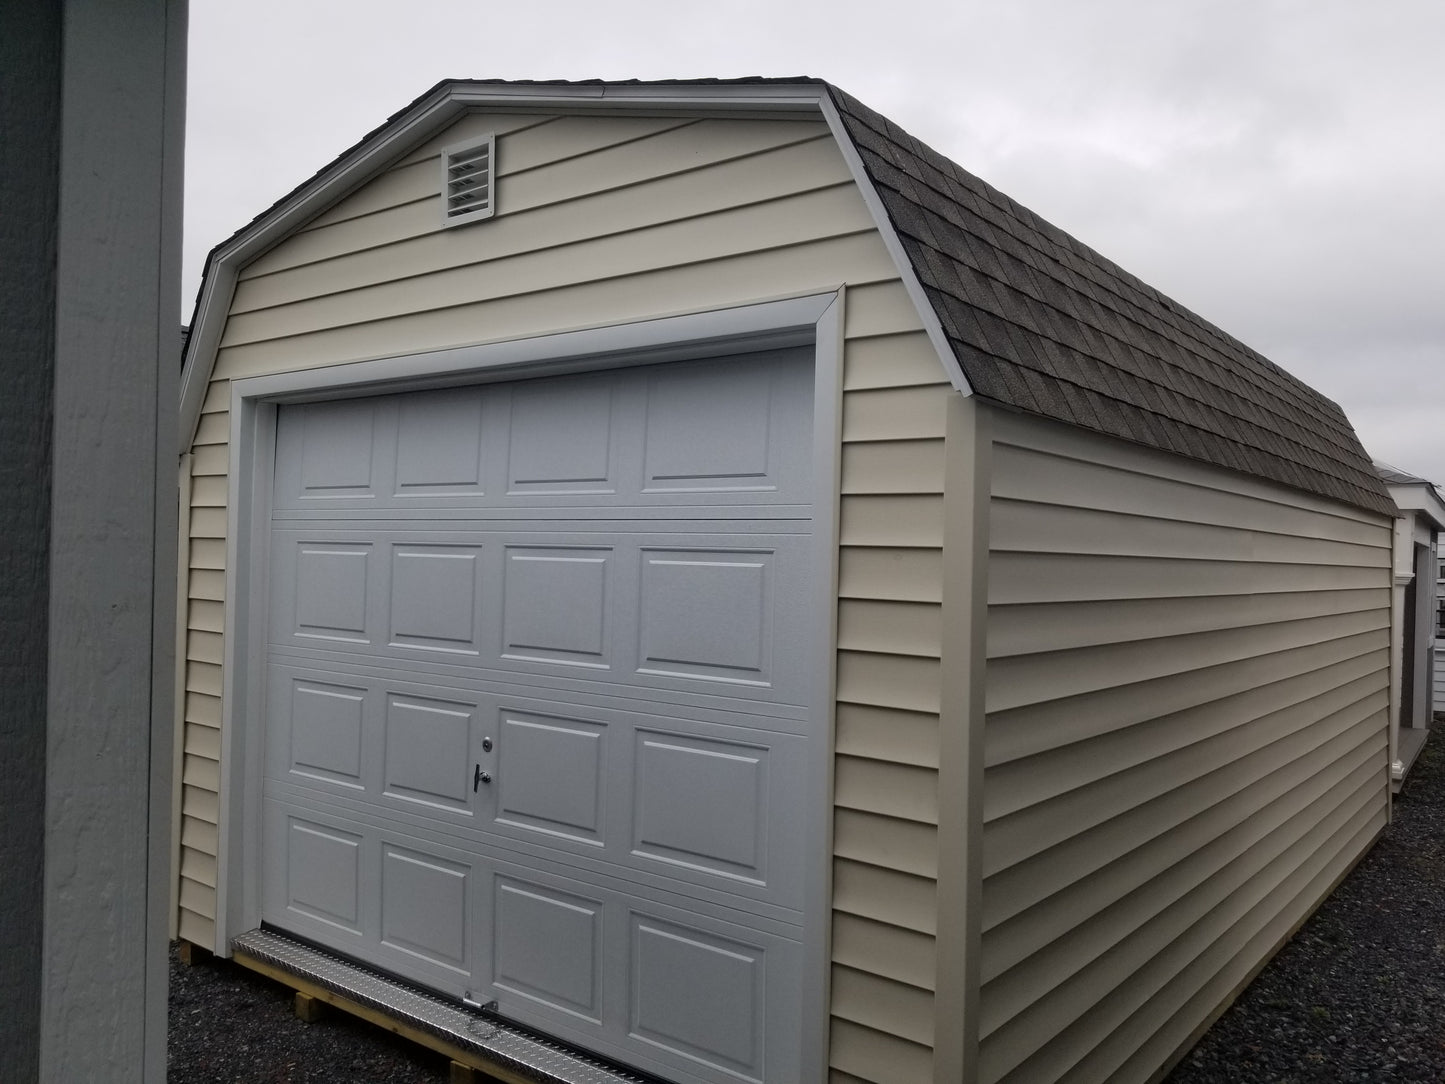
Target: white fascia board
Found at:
x=1421, y=498
x=891, y=241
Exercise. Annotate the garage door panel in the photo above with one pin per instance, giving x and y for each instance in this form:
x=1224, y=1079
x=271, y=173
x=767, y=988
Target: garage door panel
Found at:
x=548, y=946
x=424, y=906
x=410, y=903
x=684, y=611
x=565, y=437
x=556, y=603
x=326, y=722
x=330, y=451
x=733, y=428
x=698, y=995
x=701, y=804
x=538, y=702
x=316, y=866
x=429, y=746
x=715, y=432
x=551, y=776
x=707, y=614
x=435, y=598
x=330, y=589
x=440, y=450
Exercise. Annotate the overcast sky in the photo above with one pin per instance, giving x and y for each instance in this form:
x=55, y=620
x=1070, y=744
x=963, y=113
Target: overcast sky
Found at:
x=1278, y=166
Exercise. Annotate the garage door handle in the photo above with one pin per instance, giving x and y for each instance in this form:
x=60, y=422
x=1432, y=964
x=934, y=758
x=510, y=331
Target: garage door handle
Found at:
x=479, y=778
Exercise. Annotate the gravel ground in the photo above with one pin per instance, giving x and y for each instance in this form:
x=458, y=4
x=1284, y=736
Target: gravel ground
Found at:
x=232, y=1026
x=1357, y=997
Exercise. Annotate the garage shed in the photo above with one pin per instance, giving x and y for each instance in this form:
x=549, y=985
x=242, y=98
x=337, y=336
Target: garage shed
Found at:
x=690, y=570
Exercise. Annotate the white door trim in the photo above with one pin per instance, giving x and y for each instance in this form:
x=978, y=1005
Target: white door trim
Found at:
x=815, y=320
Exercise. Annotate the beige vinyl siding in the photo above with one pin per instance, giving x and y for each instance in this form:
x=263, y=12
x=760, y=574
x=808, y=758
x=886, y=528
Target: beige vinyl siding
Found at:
x=204, y=588
x=1185, y=745
x=607, y=219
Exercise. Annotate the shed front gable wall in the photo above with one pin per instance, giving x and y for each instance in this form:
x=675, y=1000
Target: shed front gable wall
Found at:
x=604, y=220
x=1185, y=747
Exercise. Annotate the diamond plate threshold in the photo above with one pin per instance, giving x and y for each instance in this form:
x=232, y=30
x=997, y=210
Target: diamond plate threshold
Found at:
x=480, y=1041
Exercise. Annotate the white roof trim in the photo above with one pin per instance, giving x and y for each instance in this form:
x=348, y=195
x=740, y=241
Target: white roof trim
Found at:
x=1420, y=497
x=894, y=245
x=440, y=108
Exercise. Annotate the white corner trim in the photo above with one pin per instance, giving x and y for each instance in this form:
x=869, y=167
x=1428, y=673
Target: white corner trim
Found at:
x=894, y=245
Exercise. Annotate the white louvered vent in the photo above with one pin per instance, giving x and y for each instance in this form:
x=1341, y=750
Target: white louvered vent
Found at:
x=467, y=181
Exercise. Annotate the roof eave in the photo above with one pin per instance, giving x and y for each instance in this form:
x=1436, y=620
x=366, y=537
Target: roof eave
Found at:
x=1421, y=498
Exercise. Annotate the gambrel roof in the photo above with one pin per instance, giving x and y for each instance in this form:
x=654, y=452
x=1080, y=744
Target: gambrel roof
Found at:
x=1022, y=314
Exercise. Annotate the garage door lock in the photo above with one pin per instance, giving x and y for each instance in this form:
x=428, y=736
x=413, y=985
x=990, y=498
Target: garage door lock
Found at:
x=480, y=777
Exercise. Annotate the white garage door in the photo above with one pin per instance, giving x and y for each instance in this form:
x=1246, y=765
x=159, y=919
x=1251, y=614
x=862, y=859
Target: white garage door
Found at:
x=537, y=705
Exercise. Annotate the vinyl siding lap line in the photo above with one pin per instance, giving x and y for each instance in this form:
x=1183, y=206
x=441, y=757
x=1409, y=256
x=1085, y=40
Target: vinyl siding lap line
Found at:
x=394, y=245
x=1031, y=628
x=897, y=791
x=1048, y=932
x=203, y=677
x=1027, y=439
x=703, y=244
x=897, y=737
x=402, y=181
x=202, y=805
x=698, y=146
x=886, y=896
x=1100, y=952
x=884, y=950
x=197, y=897
x=1042, y=477
x=1041, y=727
x=891, y=359
x=1068, y=577
x=1265, y=923
x=1178, y=745
x=541, y=191
x=203, y=740
x=891, y=573
x=1173, y=1035
x=1006, y=901
x=200, y=835
x=1019, y=526
x=876, y=1002
x=479, y=123
x=1199, y=809
x=1022, y=680
x=877, y=1056
x=679, y=289
x=196, y=928
x=569, y=233
x=201, y=772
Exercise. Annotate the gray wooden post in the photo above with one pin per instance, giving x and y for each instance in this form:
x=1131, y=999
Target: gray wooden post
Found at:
x=91, y=129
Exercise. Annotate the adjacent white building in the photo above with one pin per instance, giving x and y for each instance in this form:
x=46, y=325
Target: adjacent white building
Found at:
x=1417, y=695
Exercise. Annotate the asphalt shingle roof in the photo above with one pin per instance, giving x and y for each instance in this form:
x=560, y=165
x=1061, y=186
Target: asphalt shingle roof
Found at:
x=1042, y=323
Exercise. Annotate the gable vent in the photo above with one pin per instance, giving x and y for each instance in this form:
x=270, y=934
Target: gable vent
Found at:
x=467, y=181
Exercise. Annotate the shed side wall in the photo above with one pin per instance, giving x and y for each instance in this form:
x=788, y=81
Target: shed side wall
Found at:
x=607, y=219
x=1186, y=742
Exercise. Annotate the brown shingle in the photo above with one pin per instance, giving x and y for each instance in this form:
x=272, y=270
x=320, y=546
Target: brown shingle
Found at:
x=1041, y=322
